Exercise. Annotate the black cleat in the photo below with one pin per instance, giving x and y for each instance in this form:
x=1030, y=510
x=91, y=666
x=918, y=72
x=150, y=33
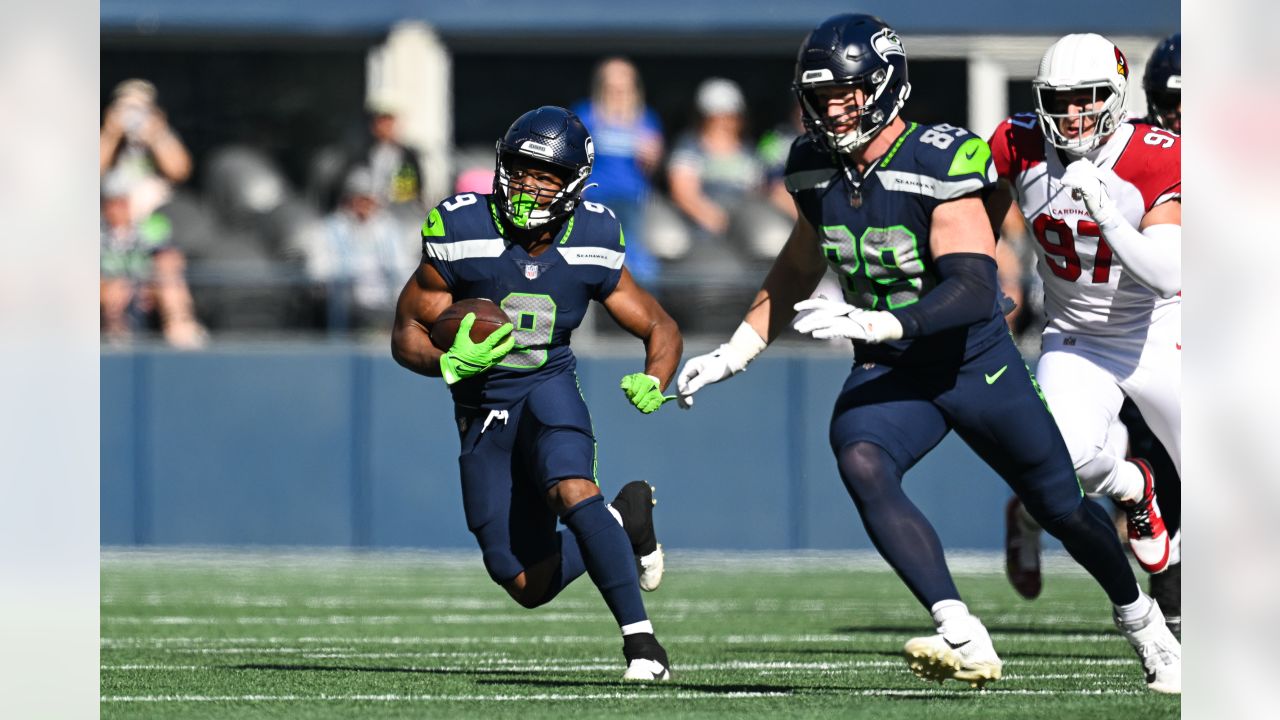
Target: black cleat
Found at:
x=634, y=504
x=1166, y=589
x=646, y=658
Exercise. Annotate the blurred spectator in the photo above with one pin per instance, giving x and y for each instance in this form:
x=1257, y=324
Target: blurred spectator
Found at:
x=715, y=178
x=393, y=166
x=628, y=145
x=773, y=149
x=142, y=273
x=137, y=144
x=362, y=259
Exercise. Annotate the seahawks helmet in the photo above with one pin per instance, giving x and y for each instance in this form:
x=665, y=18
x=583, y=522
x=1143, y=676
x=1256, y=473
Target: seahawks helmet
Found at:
x=1086, y=65
x=552, y=137
x=851, y=51
x=1162, y=83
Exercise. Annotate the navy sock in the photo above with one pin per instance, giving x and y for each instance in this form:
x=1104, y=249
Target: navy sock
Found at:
x=571, y=566
x=895, y=525
x=606, y=551
x=1088, y=536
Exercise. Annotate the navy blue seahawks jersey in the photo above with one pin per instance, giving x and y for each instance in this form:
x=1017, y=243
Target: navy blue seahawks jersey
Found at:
x=546, y=296
x=877, y=240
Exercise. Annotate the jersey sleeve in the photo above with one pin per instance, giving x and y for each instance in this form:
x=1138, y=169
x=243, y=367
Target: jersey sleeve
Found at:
x=1153, y=163
x=956, y=163
x=806, y=174
x=435, y=241
x=596, y=249
x=1016, y=145
x=1002, y=151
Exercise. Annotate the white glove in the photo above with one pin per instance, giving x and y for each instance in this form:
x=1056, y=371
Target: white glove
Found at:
x=724, y=362
x=1084, y=180
x=827, y=319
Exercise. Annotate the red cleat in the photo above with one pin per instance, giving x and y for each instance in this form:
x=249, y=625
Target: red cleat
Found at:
x=1021, y=550
x=1148, y=537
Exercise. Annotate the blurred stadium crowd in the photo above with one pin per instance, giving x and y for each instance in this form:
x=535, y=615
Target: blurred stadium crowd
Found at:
x=289, y=204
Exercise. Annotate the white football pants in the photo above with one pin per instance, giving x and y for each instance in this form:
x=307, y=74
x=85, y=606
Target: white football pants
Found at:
x=1085, y=379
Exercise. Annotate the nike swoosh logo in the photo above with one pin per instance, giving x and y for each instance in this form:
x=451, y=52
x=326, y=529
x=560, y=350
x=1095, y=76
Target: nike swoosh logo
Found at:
x=996, y=376
x=969, y=155
x=957, y=646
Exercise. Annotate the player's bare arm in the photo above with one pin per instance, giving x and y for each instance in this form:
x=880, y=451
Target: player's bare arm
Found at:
x=795, y=273
x=997, y=204
x=637, y=312
x=421, y=301
x=958, y=227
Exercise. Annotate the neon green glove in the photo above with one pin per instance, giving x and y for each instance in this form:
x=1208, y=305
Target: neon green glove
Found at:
x=467, y=359
x=643, y=392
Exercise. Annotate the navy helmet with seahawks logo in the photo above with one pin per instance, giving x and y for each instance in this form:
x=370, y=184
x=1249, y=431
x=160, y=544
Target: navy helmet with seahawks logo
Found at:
x=851, y=51
x=554, y=138
x=1162, y=83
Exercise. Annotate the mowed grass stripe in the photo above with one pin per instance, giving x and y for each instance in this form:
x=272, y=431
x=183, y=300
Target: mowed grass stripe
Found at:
x=319, y=636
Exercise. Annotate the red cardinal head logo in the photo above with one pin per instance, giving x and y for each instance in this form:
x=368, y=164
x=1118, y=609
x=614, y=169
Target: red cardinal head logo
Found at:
x=1122, y=66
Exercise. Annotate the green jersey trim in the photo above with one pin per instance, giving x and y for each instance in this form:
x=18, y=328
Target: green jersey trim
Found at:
x=434, y=225
x=894, y=150
x=971, y=158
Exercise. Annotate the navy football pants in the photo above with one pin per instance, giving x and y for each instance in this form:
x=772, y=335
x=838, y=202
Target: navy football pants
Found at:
x=887, y=418
x=508, y=468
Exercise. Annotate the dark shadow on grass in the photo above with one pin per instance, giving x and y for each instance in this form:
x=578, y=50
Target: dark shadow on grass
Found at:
x=514, y=676
x=775, y=651
x=711, y=689
x=377, y=669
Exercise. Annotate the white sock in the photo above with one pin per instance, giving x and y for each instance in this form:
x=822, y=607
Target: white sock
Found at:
x=945, y=611
x=1128, y=485
x=644, y=626
x=616, y=515
x=1136, y=610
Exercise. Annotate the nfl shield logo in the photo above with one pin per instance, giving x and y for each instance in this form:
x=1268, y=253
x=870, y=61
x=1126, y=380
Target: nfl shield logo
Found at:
x=531, y=272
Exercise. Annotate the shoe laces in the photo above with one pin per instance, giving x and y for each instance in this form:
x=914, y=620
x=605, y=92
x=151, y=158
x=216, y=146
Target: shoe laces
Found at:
x=1140, y=518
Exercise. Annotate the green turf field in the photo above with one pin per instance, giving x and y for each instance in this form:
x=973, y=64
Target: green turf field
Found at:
x=342, y=635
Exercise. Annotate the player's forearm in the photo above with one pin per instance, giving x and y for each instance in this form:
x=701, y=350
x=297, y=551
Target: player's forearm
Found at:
x=1153, y=256
x=411, y=347
x=662, y=349
x=966, y=294
x=787, y=283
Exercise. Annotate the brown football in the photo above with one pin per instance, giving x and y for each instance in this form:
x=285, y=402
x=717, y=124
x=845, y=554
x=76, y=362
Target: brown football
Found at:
x=489, y=317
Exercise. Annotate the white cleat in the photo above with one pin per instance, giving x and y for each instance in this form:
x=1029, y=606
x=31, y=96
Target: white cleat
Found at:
x=650, y=568
x=961, y=650
x=646, y=671
x=1157, y=648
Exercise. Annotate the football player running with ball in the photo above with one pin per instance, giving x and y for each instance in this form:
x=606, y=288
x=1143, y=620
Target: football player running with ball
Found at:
x=896, y=209
x=528, y=450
